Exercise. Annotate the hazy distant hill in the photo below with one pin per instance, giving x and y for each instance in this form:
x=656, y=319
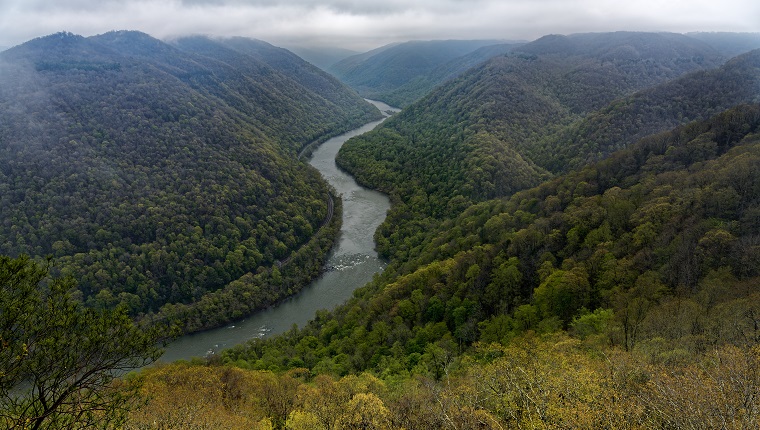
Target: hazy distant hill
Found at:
x=386, y=75
x=386, y=69
x=729, y=44
x=477, y=136
x=418, y=87
x=322, y=57
x=695, y=96
x=349, y=63
x=156, y=174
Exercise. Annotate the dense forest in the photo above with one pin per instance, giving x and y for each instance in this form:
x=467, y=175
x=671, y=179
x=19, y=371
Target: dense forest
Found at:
x=156, y=174
x=669, y=217
x=573, y=242
x=408, y=91
x=623, y=294
x=401, y=74
x=398, y=68
x=525, y=116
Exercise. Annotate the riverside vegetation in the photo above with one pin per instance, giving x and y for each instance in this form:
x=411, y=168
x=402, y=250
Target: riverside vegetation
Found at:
x=163, y=177
x=573, y=243
x=622, y=295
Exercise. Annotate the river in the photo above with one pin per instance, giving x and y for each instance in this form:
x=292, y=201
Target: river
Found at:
x=350, y=265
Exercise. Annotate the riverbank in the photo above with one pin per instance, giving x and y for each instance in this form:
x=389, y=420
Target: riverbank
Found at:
x=350, y=264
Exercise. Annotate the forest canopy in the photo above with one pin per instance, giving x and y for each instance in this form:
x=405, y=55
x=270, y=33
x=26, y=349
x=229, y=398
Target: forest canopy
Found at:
x=156, y=174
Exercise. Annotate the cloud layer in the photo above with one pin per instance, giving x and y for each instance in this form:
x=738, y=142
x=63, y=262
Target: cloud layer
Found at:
x=361, y=25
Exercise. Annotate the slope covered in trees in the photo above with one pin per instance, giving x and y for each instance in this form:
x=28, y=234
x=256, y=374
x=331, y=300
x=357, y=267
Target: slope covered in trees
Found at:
x=623, y=294
x=489, y=132
x=420, y=85
x=654, y=249
x=696, y=96
x=384, y=71
x=156, y=174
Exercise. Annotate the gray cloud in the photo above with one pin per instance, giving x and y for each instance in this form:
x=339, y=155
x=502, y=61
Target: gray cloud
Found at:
x=360, y=24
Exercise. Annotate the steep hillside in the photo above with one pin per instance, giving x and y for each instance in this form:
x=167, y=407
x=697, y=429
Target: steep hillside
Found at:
x=384, y=70
x=729, y=44
x=693, y=97
x=658, y=243
x=321, y=98
x=421, y=85
x=476, y=137
x=156, y=175
x=322, y=57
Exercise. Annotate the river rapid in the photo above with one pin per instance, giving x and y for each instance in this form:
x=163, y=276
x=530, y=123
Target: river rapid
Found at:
x=351, y=264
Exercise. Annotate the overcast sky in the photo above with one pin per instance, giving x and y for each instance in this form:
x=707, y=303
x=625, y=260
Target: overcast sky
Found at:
x=362, y=25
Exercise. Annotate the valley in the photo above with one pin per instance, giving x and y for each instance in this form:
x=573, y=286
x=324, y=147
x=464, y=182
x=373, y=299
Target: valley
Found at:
x=350, y=265
x=561, y=232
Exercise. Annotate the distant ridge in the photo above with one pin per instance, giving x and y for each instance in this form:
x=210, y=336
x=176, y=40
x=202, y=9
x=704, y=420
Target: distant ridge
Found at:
x=729, y=44
x=322, y=57
x=487, y=133
x=390, y=67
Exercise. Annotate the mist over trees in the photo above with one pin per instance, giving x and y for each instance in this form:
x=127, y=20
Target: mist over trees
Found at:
x=156, y=175
x=572, y=242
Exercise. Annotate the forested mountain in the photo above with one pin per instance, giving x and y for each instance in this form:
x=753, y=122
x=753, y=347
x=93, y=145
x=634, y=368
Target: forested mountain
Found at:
x=695, y=96
x=729, y=44
x=489, y=132
x=157, y=174
x=421, y=85
x=652, y=251
x=322, y=57
x=385, y=70
x=329, y=93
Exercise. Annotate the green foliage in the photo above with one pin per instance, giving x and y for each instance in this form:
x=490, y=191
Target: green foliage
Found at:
x=59, y=359
x=401, y=73
x=172, y=176
x=545, y=107
x=552, y=381
x=694, y=97
x=603, y=251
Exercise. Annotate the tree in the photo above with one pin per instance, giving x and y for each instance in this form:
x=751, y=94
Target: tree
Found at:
x=300, y=420
x=365, y=411
x=563, y=294
x=59, y=360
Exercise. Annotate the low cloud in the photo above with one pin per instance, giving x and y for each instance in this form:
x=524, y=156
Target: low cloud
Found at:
x=361, y=25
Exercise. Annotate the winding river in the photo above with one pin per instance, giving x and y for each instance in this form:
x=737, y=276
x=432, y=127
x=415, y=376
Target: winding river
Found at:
x=351, y=264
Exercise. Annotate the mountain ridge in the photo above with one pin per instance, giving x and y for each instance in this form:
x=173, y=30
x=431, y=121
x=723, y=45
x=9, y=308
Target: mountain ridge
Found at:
x=454, y=146
x=384, y=69
x=156, y=175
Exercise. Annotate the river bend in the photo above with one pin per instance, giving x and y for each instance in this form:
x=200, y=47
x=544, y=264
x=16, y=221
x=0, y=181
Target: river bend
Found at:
x=351, y=264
